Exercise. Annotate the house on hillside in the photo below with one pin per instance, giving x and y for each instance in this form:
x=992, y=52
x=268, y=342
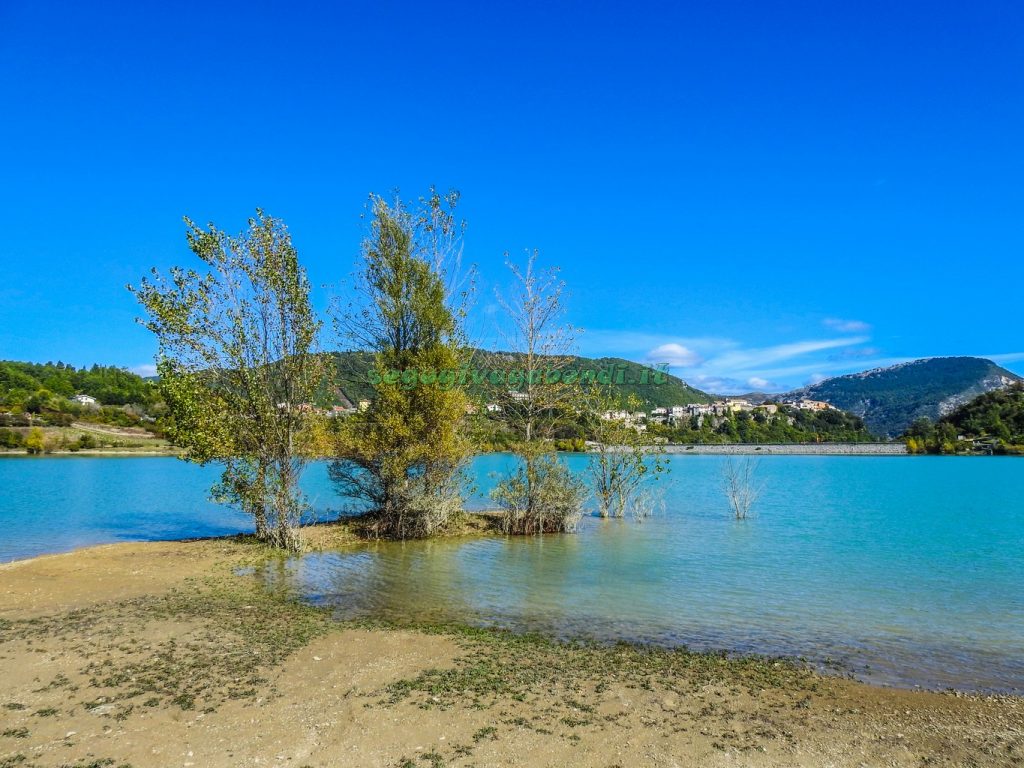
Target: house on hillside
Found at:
x=85, y=400
x=805, y=404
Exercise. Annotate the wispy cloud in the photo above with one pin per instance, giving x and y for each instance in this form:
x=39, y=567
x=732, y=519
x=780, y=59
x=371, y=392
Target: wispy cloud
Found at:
x=752, y=360
x=729, y=367
x=675, y=355
x=846, y=326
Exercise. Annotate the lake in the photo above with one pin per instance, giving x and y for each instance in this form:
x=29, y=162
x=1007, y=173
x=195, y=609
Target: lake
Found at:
x=903, y=570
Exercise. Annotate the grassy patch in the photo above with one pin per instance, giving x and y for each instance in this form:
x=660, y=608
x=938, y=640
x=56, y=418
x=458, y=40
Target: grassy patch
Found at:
x=227, y=633
x=498, y=664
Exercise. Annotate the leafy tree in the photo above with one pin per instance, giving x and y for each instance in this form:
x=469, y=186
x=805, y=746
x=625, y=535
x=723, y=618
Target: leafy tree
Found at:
x=35, y=441
x=10, y=439
x=623, y=456
x=237, y=366
x=403, y=455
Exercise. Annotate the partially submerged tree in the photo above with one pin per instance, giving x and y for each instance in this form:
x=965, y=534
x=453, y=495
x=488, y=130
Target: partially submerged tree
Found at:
x=540, y=388
x=238, y=368
x=542, y=495
x=624, y=458
x=740, y=485
x=403, y=455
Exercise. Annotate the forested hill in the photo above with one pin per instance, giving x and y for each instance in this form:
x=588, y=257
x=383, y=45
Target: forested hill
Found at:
x=890, y=399
x=20, y=383
x=998, y=414
x=349, y=381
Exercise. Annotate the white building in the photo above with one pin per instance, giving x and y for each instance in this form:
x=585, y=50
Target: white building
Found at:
x=810, y=405
x=615, y=415
x=87, y=400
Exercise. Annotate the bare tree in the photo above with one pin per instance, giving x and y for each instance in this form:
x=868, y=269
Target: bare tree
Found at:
x=646, y=502
x=740, y=485
x=540, y=382
x=540, y=388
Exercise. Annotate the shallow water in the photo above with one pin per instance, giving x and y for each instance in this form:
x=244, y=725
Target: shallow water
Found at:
x=906, y=570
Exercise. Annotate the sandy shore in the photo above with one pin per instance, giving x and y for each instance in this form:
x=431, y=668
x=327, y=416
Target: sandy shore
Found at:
x=162, y=655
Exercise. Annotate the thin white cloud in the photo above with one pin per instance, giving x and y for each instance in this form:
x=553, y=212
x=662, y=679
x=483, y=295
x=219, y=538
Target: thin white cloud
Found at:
x=740, y=360
x=719, y=385
x=675, y=355
x=846, y=326
x=631, y=343
x=726, y=366
x=731, y=368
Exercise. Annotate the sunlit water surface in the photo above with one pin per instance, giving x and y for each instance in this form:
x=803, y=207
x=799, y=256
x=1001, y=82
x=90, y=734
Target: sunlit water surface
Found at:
x=903, y=570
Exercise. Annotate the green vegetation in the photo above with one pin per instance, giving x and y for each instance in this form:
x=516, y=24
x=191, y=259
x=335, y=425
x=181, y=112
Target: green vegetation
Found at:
x=402, y=455
x=31, y=387
x=786, y=425
x=890, y=399
x=348, y=378
x=34, y=440
x=39, y=395
x=237, y=366
x=623, y=460
x=991, y=423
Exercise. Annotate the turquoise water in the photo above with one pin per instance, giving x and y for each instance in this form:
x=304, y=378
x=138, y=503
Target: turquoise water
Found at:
x=56, y=504
x=904, y=570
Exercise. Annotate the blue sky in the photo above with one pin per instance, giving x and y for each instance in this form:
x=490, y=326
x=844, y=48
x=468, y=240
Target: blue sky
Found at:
x=761, y=194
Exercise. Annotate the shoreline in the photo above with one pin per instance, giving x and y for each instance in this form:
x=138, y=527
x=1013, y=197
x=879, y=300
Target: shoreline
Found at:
x=789, y=449
x=335, y=535
x=680, y=449
x=361, y=693
x=163, y=653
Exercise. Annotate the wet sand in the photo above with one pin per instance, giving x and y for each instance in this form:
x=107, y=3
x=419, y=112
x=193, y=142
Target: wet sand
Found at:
x=163, y=654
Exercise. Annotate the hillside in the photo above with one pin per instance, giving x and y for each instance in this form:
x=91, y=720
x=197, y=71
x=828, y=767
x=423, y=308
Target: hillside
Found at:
x=787, y=425
x=990, y=423
x=20, y=382
x=350, y=381
x=46, y=386
x=890, y=399
x=35, y=399
x=998, y=414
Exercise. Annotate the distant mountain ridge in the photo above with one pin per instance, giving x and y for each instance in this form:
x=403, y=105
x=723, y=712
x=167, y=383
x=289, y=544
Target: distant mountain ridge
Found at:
x=887, y=399
x=890, y=399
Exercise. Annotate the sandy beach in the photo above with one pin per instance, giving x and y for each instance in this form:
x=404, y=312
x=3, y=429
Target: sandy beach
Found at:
x=164, y=654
